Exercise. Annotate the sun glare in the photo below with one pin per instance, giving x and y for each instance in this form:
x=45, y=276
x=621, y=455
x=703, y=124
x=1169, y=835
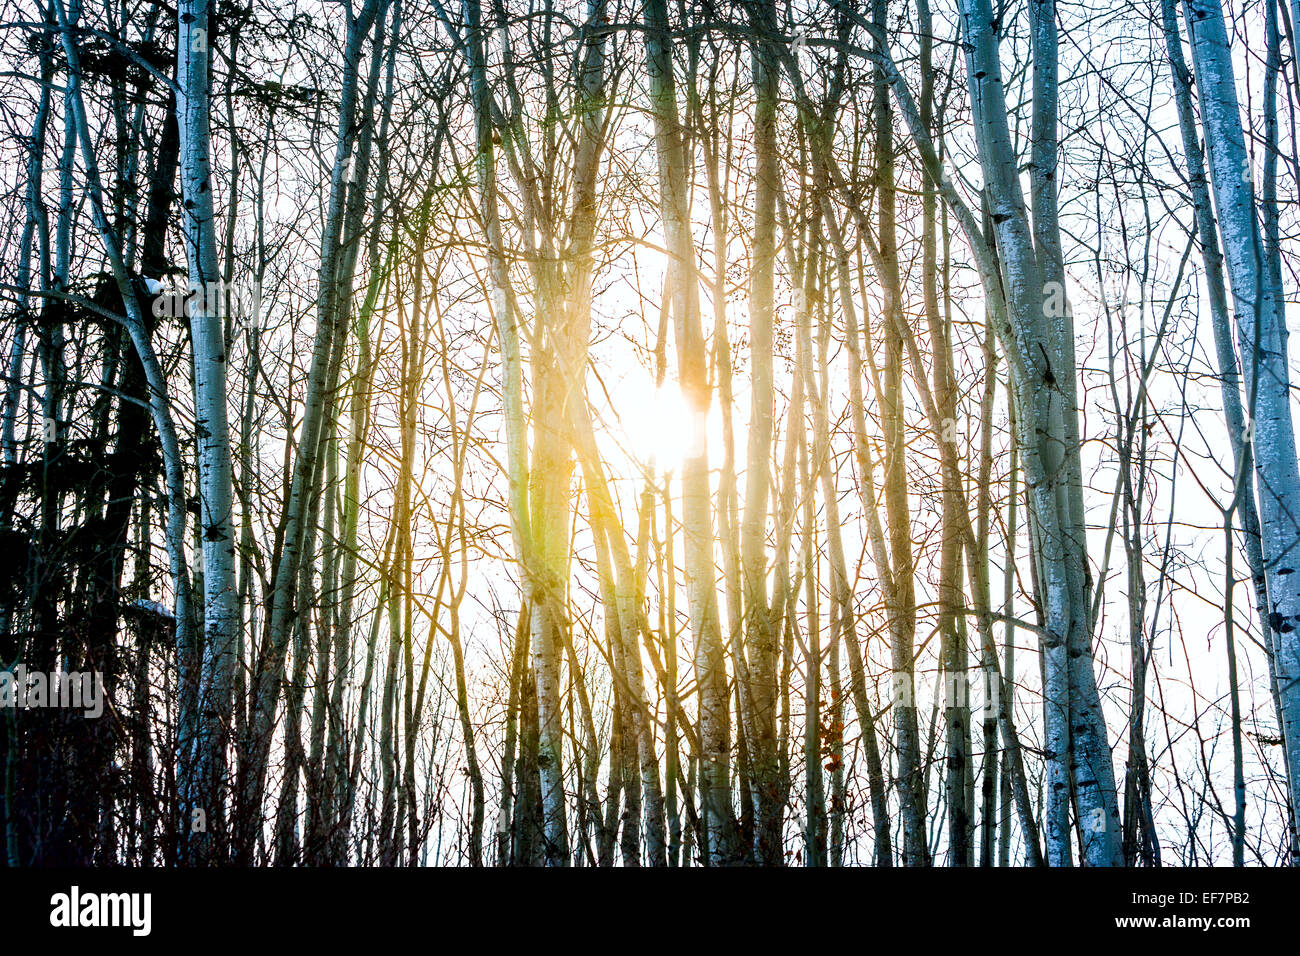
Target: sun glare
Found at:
x=657, y=422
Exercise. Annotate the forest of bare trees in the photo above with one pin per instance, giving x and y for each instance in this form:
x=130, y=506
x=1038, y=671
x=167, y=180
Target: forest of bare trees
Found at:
x=649, y=433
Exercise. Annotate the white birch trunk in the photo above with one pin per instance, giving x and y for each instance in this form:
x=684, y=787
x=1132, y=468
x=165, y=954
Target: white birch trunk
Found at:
x=221, y=613
x=1262, y=338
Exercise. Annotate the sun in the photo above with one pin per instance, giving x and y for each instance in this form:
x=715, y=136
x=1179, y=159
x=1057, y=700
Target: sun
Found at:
x=659, y=427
